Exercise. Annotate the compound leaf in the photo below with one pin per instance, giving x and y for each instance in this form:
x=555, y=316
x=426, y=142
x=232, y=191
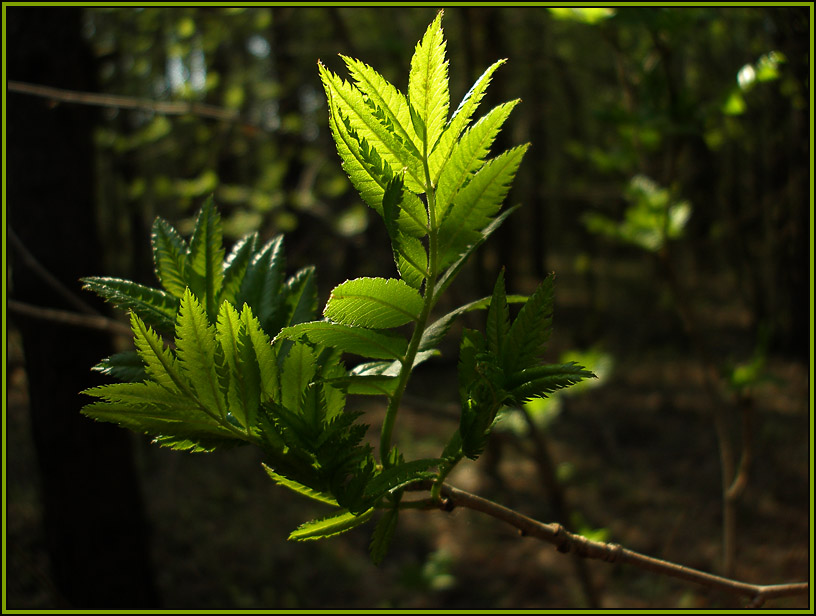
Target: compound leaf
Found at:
x=357, y=340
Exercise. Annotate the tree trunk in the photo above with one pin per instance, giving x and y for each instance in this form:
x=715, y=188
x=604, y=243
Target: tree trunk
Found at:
x=95, y=528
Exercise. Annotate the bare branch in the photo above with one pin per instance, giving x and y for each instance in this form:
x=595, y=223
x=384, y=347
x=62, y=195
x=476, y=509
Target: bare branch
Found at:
x=567, y=542
x=126, y=102
x=69, y=318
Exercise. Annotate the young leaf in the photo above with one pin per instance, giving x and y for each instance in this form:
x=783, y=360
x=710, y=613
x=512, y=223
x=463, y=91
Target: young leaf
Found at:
x=155, y=307
x=329, y=526
x=450, y=274
x=348, y=101
x=195, y=348
x=383, y=534
x=169, y=256
x=530, y=332
x=357, y=340
x=160, y=363
x=475, y=204
x=539, y=381
x=235, y=267
x=299, y=487
x=398, y=476
x=262, y=283
x=301, y=298
x=459, y=120
x=385, y=96
x=468, y=156
x=264, y=357
x=498, y=318
x=373, y=302
x=428, y=82
x=240, y=365
x=298, y=371
x=205, y=257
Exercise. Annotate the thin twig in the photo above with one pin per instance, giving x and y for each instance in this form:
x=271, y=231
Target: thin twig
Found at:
x=125, y=102
x=69, y=318
x=30, y=261
x=567, y=542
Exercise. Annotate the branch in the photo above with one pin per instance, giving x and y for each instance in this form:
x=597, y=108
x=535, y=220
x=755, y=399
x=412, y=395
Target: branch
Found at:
x=69, y=318
x=128, y=102
x=567, y=542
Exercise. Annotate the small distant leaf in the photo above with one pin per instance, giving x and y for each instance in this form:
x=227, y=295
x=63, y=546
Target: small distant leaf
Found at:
x=329, y=526
x=373, y=302
x=357, y=340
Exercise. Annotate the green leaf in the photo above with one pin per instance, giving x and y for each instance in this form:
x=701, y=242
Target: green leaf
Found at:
x=195, y=348
x=299, y=487
x=366, y=385
x=450, y=274
x=299, y=368
x=264, y=357
x=205, y=257
x=160, y=363
x=155, y=307
x=530, y=332
x=428, y=82
x=125, y=366
x=261, y=287
x=240, y=366
x=377, y=303
x=357, y=340
x=434, y=333
x=169, y=256
x=385, y=96
x=301, y=298
x=346, y=100
x=383, y=534
x=498, y=318
x=409, y=253
x=468, y=156
x=459, y=120
x=538, y=381
x=329, y=526
x=399, y=476
x=235, y=267
x=476, y=203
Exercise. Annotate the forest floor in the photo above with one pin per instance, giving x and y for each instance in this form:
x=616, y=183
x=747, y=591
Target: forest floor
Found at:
x=637, y=456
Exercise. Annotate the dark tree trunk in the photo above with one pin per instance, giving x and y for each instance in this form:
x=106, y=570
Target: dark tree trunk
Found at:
x=95, y=528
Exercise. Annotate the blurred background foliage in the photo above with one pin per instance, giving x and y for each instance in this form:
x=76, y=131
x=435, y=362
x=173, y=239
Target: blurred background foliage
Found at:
x=708, y=105
x=663, y=139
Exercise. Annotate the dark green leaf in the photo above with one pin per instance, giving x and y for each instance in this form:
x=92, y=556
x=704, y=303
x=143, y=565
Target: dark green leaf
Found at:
x=155, y=307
